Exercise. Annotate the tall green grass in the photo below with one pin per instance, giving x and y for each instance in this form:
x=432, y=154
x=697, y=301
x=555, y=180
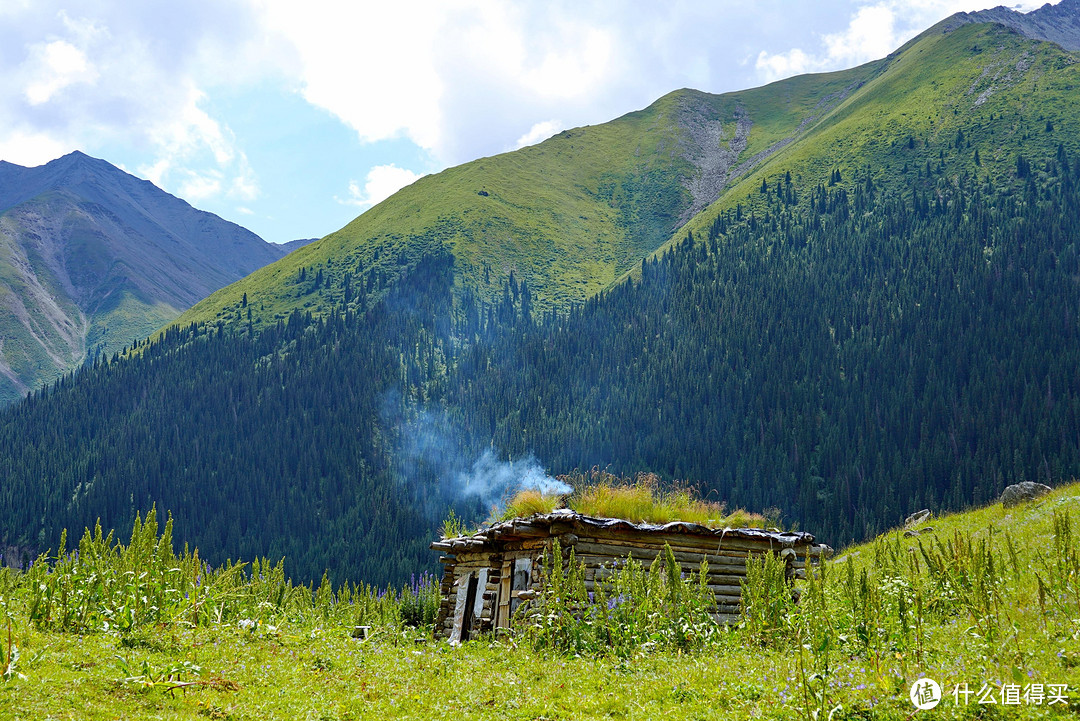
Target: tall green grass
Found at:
x=105, y=586
x=989, y=596
x=948, y=604
x=641, y=498
x=633, y=609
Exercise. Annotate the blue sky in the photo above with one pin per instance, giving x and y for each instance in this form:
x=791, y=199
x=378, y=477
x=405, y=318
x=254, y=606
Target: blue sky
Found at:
x=293, y=118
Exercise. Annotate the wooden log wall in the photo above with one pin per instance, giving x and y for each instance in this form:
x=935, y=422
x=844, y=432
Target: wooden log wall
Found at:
x=602, y=551
x=462, y=565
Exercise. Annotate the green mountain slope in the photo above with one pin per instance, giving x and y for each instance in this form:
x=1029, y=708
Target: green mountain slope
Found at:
x=890, y=321
x=91, y=258
x=970, y=98
x=573, y=215
x=568, y=216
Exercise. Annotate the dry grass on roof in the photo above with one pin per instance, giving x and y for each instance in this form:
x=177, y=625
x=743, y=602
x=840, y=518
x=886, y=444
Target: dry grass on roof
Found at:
x=641, y=498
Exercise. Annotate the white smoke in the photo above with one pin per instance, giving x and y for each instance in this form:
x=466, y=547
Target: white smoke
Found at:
x=494, y=480
x=433, y=461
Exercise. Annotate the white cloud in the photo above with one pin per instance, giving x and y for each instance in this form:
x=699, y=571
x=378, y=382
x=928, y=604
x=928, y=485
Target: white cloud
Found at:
x=369, y=64
x=56, y=65
x=155, y=172
x=873, y=31
x=784, y=65
x=109, y=73
x=196, y=186
x=382, y=181
x=451, y=76
x=539, y=132
x=574, y=61
x=28, y=147
x=869, y=35
x=244, y=186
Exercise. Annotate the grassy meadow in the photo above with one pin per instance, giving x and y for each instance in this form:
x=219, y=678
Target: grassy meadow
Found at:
x=988, y=598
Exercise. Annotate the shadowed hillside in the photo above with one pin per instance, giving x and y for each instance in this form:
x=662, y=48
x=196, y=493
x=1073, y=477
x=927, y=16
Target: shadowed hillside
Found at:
x=92, y=258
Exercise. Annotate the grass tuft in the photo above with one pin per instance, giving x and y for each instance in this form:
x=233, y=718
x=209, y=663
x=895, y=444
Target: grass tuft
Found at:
x=528, y=502
x=642, y=498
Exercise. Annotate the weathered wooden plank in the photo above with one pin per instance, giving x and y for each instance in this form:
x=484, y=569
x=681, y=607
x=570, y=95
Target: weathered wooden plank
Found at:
x=716, y=550
x=690, y=541
x=466, y=558
x=736, y=563
x=558, y=528
x=465, y=568
x=526, y=545
x=729, y=591
x=608, y=565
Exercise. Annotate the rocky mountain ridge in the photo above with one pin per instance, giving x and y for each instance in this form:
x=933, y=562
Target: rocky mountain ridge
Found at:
x=1055, y=23
x=92, y=257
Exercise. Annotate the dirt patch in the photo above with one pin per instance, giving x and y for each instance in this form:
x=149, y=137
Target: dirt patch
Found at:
x=716, y=157
x=706, y=149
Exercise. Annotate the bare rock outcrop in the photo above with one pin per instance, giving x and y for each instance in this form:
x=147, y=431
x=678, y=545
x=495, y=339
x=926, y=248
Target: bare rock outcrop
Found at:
x=1024, y=492
x=716, y=155
x=916, y=518
x=1056, y=23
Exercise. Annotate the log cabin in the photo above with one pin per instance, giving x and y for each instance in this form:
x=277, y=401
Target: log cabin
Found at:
x=488, y=574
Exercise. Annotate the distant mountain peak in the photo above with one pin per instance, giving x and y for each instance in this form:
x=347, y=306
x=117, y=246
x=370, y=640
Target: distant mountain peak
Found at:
x=77, y=159
x=92, y=256
x=74, y=158
x=1058, y=23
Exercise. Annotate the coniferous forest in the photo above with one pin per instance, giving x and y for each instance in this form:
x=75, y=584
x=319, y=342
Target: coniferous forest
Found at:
x=845, y=353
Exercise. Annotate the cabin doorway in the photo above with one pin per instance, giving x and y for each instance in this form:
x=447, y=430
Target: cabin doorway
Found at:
x=470, y=602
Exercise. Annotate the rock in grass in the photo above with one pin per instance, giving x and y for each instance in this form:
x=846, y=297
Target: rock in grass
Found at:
x=1024, y=492
x=916, y=518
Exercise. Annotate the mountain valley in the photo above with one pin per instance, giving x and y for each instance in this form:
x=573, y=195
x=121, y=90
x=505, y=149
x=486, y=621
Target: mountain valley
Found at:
x=842, y=296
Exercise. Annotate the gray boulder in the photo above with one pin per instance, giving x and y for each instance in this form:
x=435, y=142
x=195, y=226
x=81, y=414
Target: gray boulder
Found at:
x=916, y=518
x=1024, y=492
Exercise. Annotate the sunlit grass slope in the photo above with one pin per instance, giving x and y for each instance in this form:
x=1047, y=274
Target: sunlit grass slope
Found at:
x=985, y=601
x=569, y=216
x=573, y=215
x=972, y=99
